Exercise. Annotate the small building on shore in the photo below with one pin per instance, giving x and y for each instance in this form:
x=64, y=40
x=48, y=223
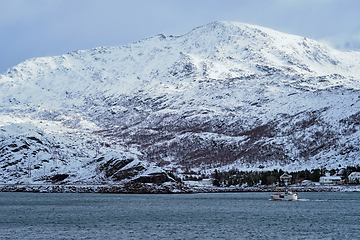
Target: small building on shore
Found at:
x=354, y=177
x=330, y=180
x=285, y=178
x=306, y=183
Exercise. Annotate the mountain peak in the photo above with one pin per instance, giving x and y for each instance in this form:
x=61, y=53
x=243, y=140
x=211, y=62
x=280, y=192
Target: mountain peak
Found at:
x=224, y=95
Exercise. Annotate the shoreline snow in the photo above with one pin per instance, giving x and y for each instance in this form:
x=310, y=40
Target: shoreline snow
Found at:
x=174, y=188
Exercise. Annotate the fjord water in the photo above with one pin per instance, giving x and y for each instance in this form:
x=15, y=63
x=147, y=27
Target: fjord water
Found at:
x=191, y=216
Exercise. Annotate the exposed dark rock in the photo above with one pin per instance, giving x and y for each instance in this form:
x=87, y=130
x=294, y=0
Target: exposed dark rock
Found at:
x=154, y=178
x=59, y=177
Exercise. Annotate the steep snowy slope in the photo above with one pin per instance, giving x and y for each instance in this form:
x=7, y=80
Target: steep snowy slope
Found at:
x=224, y=95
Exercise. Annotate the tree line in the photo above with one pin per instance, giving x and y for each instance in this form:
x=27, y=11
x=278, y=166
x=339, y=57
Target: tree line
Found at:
x=235, y=177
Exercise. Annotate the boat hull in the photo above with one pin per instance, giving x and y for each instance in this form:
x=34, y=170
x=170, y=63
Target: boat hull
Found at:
x=284, y=197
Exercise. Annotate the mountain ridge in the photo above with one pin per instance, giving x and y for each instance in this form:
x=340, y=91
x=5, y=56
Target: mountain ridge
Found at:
x=225, y=95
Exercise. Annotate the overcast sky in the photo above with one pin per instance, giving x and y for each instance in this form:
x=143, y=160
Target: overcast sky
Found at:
x=38, y=28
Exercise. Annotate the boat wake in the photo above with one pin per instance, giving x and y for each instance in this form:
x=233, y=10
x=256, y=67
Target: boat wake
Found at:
x=303, y=199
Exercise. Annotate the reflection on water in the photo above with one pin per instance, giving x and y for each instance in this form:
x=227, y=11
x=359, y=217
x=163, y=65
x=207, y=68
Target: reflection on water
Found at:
x=203, y=216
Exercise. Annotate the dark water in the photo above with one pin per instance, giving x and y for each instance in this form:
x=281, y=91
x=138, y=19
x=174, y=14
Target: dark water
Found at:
x=195, y=216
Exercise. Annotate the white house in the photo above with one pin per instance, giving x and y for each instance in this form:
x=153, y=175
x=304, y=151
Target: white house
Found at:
x=330, y=180
x=307, y=183
x=354, y=177
x=286, y=178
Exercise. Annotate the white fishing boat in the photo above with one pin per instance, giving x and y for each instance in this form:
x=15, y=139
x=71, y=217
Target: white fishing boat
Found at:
x=284, y=196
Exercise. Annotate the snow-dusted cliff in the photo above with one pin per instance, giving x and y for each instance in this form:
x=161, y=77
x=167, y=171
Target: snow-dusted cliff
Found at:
x=224, y=95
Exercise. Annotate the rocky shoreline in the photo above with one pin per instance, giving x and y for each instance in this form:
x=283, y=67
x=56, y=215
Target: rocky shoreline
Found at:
x=172, y=188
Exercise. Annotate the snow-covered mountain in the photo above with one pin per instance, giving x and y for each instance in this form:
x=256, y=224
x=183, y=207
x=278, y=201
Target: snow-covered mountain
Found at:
x=225, y=95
